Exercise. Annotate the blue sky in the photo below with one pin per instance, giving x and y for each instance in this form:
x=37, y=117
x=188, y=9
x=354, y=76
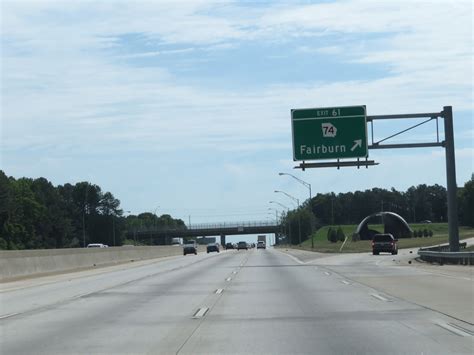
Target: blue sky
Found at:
x=186, y=105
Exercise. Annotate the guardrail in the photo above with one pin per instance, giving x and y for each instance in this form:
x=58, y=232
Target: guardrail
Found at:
x=442, y=255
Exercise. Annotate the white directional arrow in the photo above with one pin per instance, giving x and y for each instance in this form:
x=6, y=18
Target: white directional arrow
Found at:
x=357, y=143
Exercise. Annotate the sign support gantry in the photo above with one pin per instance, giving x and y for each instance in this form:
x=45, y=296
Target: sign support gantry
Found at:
x=331, y=127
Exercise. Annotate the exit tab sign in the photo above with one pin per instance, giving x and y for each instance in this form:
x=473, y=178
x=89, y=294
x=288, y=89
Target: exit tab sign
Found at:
x=329, y=133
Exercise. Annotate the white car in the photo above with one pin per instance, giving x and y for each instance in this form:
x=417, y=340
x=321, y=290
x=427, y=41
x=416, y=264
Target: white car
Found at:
x=97, y=245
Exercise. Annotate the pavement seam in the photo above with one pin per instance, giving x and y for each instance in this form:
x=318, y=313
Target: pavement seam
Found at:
x=202, y=319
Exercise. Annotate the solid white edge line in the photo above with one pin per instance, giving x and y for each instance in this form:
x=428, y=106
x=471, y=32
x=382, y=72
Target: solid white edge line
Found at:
x=452, y=329
x=201, y=312
x=377, y=296
x=8, y=315
x=462, y=329
x=295, y=259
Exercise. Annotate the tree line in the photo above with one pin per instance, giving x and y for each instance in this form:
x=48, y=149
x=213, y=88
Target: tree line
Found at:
x=417, y=204
x=34, y=214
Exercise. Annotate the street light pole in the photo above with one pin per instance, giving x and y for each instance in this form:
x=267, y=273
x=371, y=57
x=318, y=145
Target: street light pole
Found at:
x=154, y=224
x=84, y=217
x=299, y=217
x=134, y=234
x=308, y=185
x=113, y=228
x=276, y=221
x=288, y=237
x=276, y=214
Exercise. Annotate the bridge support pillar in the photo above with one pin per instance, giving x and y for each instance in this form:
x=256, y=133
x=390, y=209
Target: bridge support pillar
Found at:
x=223, y=240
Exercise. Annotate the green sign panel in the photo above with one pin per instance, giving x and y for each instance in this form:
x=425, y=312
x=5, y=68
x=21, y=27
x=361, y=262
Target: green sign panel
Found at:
x=329, y=133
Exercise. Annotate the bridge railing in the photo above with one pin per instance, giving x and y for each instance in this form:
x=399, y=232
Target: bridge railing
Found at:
x=232, y=225
x=221, y=225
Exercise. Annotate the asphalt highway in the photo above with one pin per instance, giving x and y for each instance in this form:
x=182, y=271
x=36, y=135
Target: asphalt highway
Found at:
x=236, y=302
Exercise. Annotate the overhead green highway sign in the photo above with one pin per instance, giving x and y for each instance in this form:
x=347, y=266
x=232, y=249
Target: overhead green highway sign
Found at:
x=329, y=133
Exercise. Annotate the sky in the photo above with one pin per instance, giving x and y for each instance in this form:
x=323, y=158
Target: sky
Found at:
x=183, y=107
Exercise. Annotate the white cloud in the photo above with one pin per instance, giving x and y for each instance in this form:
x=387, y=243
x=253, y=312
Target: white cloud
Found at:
x=64, y=92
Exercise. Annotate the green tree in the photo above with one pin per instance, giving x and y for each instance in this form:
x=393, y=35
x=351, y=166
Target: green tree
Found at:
x=466, y=203
x=340, y=234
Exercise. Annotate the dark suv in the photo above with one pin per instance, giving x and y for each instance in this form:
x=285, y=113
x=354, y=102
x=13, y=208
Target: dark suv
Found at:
x=242, y=245
x=212, y=247
x=190, y=247
x=384, y=243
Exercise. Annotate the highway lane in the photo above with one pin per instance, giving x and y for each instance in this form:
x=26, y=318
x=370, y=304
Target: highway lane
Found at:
x=256, y=301
x=448, y=289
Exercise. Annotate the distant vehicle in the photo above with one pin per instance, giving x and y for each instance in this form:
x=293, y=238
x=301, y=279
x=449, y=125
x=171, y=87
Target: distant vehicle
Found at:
x=190, y=247
x=212, y=247
x=384, y=243
x=262, y=238
x=176, y=241
x=242, y=245
x=261, y=245
x=229, y=246
x=427, y=221
x=97, y=245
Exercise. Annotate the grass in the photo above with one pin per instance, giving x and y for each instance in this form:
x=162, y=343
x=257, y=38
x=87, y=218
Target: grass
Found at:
x=440, y=236
x=471, y=248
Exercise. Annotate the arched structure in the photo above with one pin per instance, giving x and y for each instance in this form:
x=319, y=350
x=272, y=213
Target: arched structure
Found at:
x=392, y=222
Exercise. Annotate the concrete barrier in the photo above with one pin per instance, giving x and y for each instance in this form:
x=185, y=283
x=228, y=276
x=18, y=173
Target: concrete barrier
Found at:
x=25, y=263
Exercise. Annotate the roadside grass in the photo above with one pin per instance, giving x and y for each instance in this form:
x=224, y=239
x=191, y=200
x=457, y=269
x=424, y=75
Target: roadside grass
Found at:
x=440, y=236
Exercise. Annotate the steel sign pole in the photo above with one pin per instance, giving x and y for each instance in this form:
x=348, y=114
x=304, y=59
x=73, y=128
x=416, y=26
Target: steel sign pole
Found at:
x=448, y=144
x=451, y=179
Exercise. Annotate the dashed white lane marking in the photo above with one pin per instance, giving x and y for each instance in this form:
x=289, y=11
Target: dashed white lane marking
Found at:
x=454, y=328
x=219, y=291
x=200, y=312
x=234, y=272
x=381, y=298
x=8, y=315
x=345, y=282
x=228, y=279
x=327, y=273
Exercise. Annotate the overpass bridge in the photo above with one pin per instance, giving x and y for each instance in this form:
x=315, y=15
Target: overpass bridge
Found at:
x=161, y=236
